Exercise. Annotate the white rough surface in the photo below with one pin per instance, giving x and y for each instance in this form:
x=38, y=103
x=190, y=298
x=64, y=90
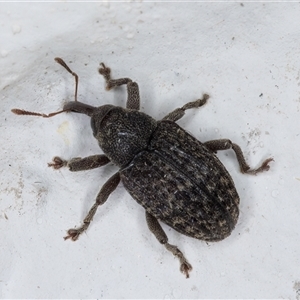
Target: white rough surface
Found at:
x=246, y=56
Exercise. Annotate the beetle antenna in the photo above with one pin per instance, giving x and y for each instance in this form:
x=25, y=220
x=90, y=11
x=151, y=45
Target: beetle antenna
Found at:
x=30, y=113
x=62, y=63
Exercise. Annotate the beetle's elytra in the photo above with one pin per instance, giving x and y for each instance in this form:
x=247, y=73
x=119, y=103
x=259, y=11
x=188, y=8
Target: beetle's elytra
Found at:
x=176, y=178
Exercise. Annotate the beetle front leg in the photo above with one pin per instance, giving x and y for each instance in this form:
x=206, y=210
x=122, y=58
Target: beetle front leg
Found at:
x=104, y=193
x=80, y=164
x=225, y=144
x=178, y=113
x=161, y=236
x=133, y=100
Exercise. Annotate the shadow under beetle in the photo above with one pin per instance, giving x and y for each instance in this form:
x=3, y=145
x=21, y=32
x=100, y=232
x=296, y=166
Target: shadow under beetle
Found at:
x=176, y=178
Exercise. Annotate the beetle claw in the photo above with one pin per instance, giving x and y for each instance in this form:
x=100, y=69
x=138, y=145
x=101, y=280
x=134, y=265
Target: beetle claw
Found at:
x=264, y=167
x=185, y=268
x=73, y=234
x=57, y=163
x=105, y=72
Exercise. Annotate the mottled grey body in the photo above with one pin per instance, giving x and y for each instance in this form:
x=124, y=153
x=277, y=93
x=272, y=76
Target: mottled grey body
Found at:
x=181, y=182
x=175, y=177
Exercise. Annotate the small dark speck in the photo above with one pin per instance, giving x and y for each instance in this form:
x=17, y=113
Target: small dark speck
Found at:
x=5, y=216
x=276, y=86
x=9, y=165
x=233, y=38
x=261, y=95
x=242, y=4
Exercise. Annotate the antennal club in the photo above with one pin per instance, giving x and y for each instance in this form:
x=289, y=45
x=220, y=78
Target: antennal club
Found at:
x=30, y=113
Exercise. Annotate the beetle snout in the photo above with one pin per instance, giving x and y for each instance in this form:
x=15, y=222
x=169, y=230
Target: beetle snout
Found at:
x=79, y=107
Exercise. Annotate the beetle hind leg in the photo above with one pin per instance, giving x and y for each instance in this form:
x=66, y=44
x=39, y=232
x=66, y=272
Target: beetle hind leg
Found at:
x=225, y=144
x=156, y=229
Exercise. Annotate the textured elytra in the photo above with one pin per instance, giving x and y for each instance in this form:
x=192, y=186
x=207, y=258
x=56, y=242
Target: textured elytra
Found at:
x=179, y=181
x=175, y=177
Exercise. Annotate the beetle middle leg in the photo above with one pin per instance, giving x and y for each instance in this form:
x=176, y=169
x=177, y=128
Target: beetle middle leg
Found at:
x=80, y=164
x=101, y=198
x=225, y=144
x=161, y=236
x=133, y=100
x=178, y=113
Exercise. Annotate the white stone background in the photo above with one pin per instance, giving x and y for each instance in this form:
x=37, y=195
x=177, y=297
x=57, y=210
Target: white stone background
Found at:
x=246, y=56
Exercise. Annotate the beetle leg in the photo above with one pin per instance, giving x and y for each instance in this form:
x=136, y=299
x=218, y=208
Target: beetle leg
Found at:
x=161, y=236
x=104, y=193
x=225, y=144
x=178, y=113
x=80, y=164
x=133, y=100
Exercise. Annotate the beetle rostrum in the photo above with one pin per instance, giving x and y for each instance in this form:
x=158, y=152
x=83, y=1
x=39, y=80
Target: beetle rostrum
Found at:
x=176, y=178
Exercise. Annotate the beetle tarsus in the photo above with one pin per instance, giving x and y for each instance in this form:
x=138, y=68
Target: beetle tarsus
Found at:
x=112, y=83
x=185, y=266
x=73, y=234
x=264, y=167
x=57, y=163
x=105, y=72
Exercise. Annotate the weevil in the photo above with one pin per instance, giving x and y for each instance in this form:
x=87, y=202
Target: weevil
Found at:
x=176, y=178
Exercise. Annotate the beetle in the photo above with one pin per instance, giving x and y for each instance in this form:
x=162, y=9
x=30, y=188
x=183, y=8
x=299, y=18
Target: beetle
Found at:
x=176, y=178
